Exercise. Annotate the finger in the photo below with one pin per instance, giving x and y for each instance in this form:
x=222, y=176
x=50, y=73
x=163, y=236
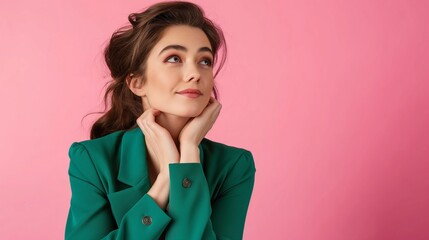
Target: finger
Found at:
x=151, y=140
x=213, y=106
x=217, y=112
x=211, y=100
x=148, y=115
x=151, y=113
x=151, y=145
x=156, y=130
x=152, y=128
x=156, y=112
x=148, y=128
x=143, y=126
x=140, y=123
x=213, y=111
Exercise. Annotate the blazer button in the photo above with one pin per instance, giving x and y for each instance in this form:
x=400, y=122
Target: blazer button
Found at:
x=147, y=220
x=186, y=183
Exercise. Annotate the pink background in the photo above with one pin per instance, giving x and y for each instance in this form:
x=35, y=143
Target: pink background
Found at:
x=332, y=98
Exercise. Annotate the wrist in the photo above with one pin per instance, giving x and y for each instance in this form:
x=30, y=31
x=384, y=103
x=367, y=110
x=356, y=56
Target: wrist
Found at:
x=189, y=153
x=160, y=190
x=188, y=147
x=164, y=173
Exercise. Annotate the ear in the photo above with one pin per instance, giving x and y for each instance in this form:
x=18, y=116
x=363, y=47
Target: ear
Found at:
x=135, y=84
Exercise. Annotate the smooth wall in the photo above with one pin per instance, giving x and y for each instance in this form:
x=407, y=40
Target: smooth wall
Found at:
x=331, y=97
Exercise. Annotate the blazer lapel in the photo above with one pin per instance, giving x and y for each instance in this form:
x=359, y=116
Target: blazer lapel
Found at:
x=132, y=171
x=132, y=163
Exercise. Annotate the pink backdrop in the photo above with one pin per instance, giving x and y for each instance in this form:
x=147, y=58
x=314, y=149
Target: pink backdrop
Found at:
x=330, y=96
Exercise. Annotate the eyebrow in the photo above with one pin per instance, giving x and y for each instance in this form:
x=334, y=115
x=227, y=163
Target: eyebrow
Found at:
x=182, y=48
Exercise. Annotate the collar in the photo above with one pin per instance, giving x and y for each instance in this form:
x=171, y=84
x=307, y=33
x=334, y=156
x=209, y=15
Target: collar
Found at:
x=133, y=158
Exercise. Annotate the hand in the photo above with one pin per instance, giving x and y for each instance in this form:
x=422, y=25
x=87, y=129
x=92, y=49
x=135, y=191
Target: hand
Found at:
x=196, y=129
x=158, y=140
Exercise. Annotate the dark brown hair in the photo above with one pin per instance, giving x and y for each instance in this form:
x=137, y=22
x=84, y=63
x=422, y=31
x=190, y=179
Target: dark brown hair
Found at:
x=127, y=54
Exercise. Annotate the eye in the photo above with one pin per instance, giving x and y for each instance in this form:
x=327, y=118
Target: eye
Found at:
x=208, y=62
x=171, y=57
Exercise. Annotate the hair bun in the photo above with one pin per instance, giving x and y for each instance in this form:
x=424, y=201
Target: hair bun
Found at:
x=132, y=18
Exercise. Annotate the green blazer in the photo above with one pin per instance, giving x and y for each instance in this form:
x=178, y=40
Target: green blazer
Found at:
x=109, y=181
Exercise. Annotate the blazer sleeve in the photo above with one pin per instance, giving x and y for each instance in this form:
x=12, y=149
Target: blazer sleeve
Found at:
x=90, y=216
x=195, y=216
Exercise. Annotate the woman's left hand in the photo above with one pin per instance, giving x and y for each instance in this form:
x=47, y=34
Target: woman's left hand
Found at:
x=196, y=129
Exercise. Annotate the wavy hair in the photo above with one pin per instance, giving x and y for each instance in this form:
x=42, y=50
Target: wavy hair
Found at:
x=127, y=53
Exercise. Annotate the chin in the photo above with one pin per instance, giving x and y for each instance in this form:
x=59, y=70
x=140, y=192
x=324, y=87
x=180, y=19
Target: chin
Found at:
x=189, y=112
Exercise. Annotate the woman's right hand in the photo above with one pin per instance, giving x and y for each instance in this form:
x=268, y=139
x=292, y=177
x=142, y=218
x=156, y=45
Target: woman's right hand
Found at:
x=158, y=140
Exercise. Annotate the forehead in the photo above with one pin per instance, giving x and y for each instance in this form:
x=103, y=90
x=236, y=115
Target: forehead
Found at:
x=190, y=37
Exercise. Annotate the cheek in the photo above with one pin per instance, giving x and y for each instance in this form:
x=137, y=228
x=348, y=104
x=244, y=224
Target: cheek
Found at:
x=159, y=84
x=210, y=87
x=208, y=80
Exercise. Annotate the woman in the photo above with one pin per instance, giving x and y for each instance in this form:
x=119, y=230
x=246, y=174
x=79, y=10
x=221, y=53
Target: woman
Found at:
x=148, y=171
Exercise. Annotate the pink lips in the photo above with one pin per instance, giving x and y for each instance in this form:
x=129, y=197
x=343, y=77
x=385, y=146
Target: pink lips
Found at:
x=192, y=93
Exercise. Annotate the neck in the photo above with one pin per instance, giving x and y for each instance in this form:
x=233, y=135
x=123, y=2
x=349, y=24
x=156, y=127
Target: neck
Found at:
x=174, y=125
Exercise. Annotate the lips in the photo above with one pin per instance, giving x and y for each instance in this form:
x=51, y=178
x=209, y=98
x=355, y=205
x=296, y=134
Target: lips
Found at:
x=190, y=93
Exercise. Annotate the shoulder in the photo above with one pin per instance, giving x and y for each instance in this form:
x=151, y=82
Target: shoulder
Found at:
x=105, y=143
x=227, y=157
x=228, y=169
x=85, y=156
x=217, y=148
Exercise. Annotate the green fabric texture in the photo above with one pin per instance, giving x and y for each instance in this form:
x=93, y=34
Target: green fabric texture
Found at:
x=109, y=180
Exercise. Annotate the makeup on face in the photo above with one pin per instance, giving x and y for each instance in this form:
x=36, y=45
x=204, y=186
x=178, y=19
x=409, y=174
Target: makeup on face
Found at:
x=180, y=73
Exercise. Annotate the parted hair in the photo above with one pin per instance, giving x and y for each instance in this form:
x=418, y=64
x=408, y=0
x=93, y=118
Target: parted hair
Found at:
x=127, y=53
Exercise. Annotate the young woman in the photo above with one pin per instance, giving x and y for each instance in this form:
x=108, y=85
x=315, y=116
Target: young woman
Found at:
x=148, y=171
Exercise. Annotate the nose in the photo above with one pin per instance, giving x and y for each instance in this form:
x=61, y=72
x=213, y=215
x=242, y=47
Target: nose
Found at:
x=192, y=74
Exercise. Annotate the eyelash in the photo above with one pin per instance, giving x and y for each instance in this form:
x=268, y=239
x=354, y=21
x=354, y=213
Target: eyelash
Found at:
x=207, y=59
